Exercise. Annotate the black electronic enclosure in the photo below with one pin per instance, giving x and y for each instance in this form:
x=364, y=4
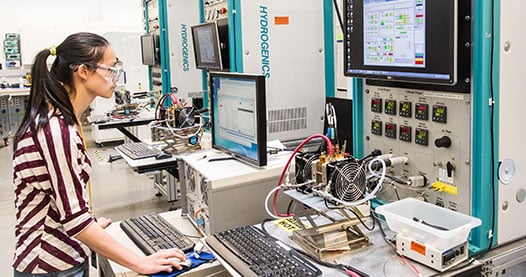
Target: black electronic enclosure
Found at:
x=343, y=108
x=150, y=49
x=238, y=116
x=411, y=41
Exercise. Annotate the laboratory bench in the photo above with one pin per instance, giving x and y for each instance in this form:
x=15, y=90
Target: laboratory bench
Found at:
x=122, y=123
x=14, y=91
x=375, y=259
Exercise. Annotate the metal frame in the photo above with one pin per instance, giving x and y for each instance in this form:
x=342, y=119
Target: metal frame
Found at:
x=344, y=233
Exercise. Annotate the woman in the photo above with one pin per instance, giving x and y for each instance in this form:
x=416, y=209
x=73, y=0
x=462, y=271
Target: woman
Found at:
x=54, y=229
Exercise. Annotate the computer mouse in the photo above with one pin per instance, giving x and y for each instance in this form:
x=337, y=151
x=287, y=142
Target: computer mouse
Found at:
x=163, y=155
x=187, y=264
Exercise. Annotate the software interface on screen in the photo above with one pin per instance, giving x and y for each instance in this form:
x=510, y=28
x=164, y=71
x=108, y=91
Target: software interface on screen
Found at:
x=205, y=37
x=404, y=40
x=235, y=118
x=394, y=33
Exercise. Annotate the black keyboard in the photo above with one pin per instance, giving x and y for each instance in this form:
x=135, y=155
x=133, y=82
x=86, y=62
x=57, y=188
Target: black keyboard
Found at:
x=138, y=150
x=152, y=233
x=252, y=252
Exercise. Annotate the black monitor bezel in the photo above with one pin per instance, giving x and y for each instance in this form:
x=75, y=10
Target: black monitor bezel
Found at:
x=218, y=65
x=149, y=55
x=261, y=118
x=354, y=67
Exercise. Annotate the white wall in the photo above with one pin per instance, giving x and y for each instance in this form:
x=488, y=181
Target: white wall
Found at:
x=42, y=24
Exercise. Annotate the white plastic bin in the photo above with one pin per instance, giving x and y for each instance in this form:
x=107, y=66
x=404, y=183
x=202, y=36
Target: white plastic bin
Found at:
x=413, y=218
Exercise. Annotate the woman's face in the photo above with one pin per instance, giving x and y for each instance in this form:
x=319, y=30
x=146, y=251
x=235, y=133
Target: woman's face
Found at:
x=106, y=74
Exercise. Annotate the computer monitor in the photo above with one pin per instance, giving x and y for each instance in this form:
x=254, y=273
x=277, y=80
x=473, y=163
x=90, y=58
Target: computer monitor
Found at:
x=238, y=112
x=401, y=40
x=149, y=49
x=207, y=48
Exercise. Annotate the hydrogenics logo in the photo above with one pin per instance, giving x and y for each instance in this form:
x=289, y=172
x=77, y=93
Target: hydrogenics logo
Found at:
x=184, y=47
x=264, y=38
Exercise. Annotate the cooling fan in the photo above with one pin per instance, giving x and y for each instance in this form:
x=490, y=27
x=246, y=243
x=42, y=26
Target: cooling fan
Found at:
x=347, y=179
x=304, y=169
x=185, y=117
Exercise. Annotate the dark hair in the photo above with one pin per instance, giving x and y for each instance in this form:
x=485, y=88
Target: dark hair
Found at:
x=47, y=88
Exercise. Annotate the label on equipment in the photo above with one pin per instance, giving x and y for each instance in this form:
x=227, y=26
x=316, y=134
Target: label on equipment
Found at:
x=281, y=20
x=418, y=248
x=290, y=224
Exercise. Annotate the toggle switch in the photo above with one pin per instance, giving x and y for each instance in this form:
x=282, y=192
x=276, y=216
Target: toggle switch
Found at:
x=450, y=167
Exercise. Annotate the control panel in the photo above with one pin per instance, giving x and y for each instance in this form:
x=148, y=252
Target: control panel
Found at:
x=432, y=129
x=215, y=10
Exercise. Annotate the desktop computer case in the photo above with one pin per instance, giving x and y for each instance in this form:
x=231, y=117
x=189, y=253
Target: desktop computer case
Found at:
x=221, y=195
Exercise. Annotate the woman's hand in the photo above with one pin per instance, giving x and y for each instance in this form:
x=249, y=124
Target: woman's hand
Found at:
x=163, y=260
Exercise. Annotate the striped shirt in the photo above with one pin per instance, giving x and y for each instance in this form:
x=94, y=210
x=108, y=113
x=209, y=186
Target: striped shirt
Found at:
x=50, y=173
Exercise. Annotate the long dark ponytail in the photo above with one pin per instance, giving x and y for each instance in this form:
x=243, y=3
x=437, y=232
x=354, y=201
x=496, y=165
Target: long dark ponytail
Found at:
x=47, y=88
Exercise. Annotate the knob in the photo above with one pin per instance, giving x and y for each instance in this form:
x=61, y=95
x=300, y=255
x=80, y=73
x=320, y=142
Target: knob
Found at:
x=444, y=141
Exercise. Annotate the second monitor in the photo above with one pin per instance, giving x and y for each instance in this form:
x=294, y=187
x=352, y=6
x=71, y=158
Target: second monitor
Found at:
x=210, y=41
x=238, y=111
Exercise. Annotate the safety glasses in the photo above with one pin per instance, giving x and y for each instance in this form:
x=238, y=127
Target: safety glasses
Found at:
x=112, y=73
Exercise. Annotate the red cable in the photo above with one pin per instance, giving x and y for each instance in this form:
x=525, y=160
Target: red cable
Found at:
x=174, y=99
x=352, y=273
x=411, y=265
x=329, y=150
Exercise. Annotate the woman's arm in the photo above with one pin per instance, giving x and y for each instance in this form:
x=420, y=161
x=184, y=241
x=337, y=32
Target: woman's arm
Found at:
x=101, y=242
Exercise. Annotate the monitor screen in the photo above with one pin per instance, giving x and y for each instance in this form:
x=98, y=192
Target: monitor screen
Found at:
x=238, y=112
x=207, y=49
x=149, y=46
x=401, y=40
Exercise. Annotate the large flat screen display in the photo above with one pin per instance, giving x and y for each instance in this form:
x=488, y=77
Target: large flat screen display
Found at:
x=238, y=112
x=401, y=40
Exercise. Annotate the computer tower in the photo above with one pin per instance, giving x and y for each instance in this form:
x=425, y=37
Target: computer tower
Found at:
x=220, y=195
